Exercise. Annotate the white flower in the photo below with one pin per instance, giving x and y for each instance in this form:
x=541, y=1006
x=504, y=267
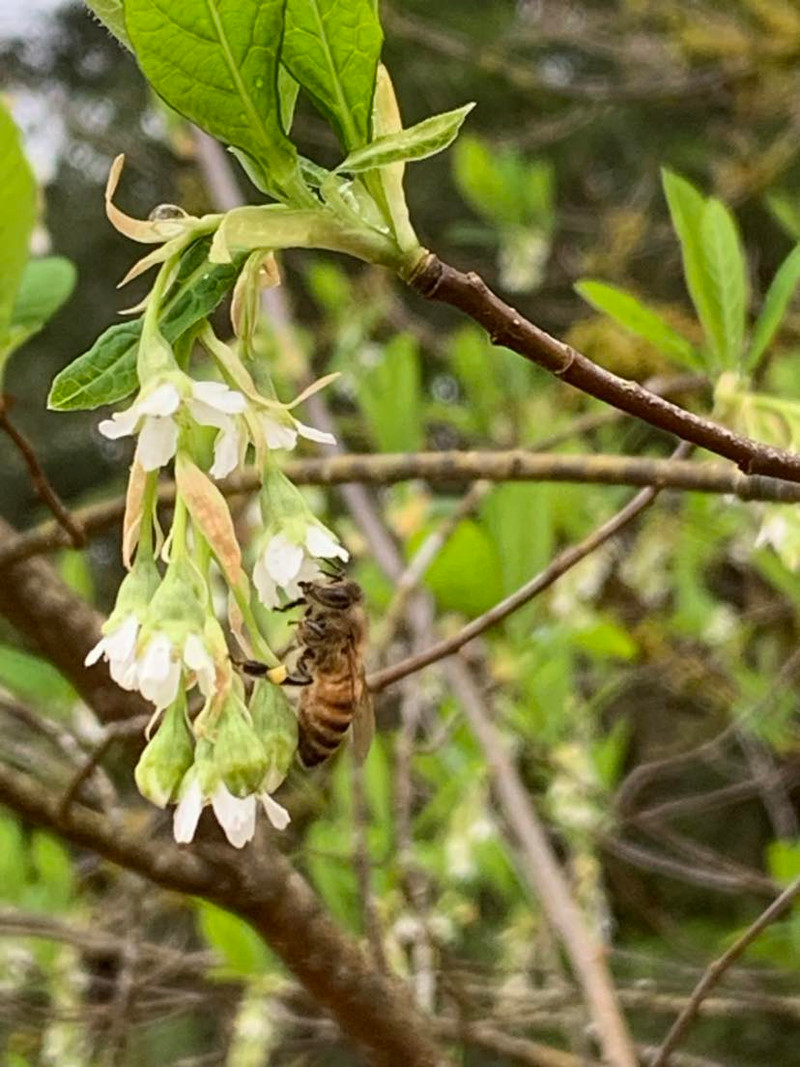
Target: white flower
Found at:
x=284, y=563
x=153, y=415
x=119, y=648
x=158, y=669
x=236, y=816
x=281, y=431
x=277, y=815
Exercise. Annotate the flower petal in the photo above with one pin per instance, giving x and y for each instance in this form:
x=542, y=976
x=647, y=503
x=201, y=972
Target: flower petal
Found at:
x=322, y=544
x=283, y=559
x=311, y=433
x=197, y=657
x=187, y=813
x=278, y=434
x=94, y=654
x=121, y=650
x=277, y=815
x=157, y=442
x=163, y=400
x=227, y=451
x=121, y=423
x=159, y=672
x=220, y=396
x=236, y=816
x=267, y=590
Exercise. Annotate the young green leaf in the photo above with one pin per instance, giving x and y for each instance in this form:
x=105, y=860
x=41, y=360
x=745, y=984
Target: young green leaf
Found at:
x=17, y=215
x=332, y=48
x=45, y=287
x=686, y=206
x=776, y=302
x=217, y=64
x=390, y=396
x=727, y=272
x=106, y=373
x=417, y=142
x=629, y=312
x=112, y=15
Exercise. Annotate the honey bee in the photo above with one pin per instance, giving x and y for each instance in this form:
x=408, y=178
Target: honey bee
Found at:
x=332, y=635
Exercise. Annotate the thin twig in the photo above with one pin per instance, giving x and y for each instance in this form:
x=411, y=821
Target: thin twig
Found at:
x=372, y=923
x=437, y=468
x=436, y=280
x=111, y=733
x=41, y=483
x=715, y=971
x=562, y=563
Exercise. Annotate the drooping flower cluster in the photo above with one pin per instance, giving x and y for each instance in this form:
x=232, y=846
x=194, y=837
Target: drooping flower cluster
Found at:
x=212, y=744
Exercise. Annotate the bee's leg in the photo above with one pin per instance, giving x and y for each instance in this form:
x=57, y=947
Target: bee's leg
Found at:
x=301, y=674
x=292, y=604
x=252, y=667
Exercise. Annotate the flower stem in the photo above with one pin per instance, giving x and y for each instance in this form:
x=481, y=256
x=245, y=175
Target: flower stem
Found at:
x=260, y=646
x=180, y=522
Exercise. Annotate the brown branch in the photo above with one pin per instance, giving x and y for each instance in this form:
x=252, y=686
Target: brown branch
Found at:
x=436, y=280
x=370, y=1008
x=62, y=628
x=373, y=1010
x=715, y=971
x=563, y=562
x=41, y=483
x=545, y=877
x=113, y=732
x=447, y=468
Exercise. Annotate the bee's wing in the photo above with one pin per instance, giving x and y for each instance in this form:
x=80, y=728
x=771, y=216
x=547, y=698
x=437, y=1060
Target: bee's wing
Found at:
x=364, y=712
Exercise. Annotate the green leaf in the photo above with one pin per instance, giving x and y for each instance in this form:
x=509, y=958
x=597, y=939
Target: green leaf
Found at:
x=34, y=680
x=502, y=186
x=13, y=860
x=783, y=861
x=785, y=208
x=776, y=302
x=389, y=396
x=217, y=64
x=727, y=271
x=45, y=287
x=106, y=373
x=451, y=576
x=417, y=142
x=641, y=320
x=686, y=207
x=332, y=48
x=112, y=15
x=243, y=951
x=17, y=216
x=53, y=866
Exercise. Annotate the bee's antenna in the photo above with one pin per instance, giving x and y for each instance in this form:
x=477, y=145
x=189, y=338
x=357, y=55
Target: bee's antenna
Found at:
x=336, y=570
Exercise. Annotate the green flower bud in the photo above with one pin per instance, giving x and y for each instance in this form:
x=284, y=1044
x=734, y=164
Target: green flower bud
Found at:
x=276, y=725
x=167, y=757
x=176, y=607
x=138, y=588
x=281, y=501
x=238, y=753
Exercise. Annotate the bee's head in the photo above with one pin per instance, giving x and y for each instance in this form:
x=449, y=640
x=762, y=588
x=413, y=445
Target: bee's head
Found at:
x=339, y=592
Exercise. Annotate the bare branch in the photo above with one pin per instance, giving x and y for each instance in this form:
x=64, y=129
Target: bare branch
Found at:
x=565, y=561
x=41, y=483
x=436, y=280
x=715, y=971
x=448, y=468
x=545, y=877
x=373, y=1010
